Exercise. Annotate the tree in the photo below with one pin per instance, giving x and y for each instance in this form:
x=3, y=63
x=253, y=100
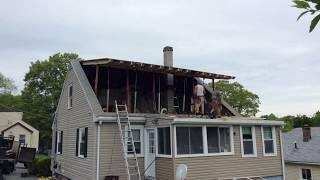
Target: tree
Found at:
x=302, y=120
x=288, y=122
x=309, y=6
x=6, y=85
x=270, y=117
x=244, y=101
x=316, y=118
x=43, y=84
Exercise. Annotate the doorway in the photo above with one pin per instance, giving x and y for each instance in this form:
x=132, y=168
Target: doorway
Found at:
x=150, y=153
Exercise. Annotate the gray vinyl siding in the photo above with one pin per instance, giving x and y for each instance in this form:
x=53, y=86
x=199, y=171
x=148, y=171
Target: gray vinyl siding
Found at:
x=68, y=120
x=164, y=168
x=111, y=158
x=212, y=167
x=293, y=171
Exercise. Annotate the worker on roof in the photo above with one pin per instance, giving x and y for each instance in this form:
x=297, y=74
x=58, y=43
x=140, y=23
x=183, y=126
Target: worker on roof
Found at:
x=198, y=93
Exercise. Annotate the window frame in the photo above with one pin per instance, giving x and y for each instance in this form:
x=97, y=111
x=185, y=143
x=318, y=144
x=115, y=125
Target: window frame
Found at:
x=141, y=129
x=171, y=145
x=204, y=140
x=24, y=139
x=59, y=140
x=79, y=142
x=274, y=140
x=254, y=142
x=302, y=172
x=70, y=98
x=231, y=141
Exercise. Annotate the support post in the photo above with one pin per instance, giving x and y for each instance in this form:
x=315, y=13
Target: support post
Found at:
x=184, y=95
x=108, y=89
x=128, y=93
x=135, y=93
x=159, y=103
x=153, y=93
x=96, y=81
x=213, y=85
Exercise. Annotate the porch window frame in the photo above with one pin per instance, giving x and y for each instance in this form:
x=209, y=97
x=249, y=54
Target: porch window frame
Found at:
x=171, y=143
x=204, y=141
x=254, y=142
x=141, y=129
x=301, y=172
x=274, y=140
x=59, y=140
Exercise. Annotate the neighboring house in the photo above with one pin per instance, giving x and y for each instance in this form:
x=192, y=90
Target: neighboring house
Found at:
x=86, y=137
x=302, y=153
x=11, y=125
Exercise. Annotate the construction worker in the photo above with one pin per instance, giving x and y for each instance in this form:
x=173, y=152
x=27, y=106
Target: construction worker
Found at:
x=198, y=92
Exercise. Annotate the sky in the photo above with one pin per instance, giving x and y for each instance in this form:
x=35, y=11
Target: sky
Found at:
x=259, y=42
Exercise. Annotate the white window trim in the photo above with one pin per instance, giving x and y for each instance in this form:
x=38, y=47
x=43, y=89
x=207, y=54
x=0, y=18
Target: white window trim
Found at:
x=205, y=142
x=274, y=139
x=58, y=141
x=306, y=168
x=79, y=142
x=171, y=143
x=69, y=102
x=253, y=131
x=134, y=127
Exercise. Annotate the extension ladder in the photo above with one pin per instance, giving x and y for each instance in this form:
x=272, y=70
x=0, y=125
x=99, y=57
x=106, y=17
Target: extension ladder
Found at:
x=126, y=136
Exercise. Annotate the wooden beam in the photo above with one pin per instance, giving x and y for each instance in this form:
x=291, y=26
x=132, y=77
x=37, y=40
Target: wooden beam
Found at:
x=96, y=81
x=159, y=105
x=108, y=90
x=135, y=93
x=153, y=93
x=128, y=92
x=213, y=85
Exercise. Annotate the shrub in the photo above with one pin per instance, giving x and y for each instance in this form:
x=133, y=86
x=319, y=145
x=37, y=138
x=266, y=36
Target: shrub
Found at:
x=40, y=166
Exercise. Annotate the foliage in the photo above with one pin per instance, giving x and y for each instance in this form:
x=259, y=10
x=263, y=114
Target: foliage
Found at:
x=270, y=117
x=309, y=6
x=10, y=103
x=43, y=84
x=244, y=101
x=6, y=85
x=40, y=166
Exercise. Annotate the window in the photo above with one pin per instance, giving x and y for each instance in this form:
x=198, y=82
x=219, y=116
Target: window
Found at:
x=137, y=134
x=70, y=94
x=59, y=139
x=82, y=142
x=189, y=140
x=248, y=141
x=22, y=139
x=306, y=174
x=218, y=139
x=269, y=141
x=164, y=142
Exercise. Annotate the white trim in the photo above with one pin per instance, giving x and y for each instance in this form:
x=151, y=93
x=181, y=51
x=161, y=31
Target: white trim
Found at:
x=205, y=143
x=253, y=131
x=156, y=141
x=79, y=142
x=141, y=128
x=98, y=151
x=282, y=157
x=274, y=141
x=226, y=121
x=58, y=141
x=70, y=103
x=305, y=167
x=146, y=149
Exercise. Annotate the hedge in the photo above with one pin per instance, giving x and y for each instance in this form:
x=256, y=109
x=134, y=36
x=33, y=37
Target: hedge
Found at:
x=40, y=166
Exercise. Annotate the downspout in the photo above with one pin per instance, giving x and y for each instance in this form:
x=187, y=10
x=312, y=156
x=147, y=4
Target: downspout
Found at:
x=98, y=151
x=282, y=158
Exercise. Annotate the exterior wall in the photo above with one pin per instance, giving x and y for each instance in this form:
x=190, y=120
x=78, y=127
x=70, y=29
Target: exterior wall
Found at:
x=228, y=166
x=293, y=171
x=111, y=158
x=68, y=120
x=32, y=138
x=164, y=168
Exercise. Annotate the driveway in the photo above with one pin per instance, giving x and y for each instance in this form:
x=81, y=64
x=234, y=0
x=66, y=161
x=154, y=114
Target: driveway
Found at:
x=16, y=175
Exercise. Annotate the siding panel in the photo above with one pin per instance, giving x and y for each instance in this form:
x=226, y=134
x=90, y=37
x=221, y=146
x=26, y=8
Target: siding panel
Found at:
x=293, y=171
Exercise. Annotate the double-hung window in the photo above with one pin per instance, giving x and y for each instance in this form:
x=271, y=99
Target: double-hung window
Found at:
x=189, y=140
x=248, y=141
x=22, y=139
x=306, y=174
x=82, y=142
x=70, y=94
x=137, y=134
x=164, y=142
x=269, y=141
x=59, y=139
x=218, y=139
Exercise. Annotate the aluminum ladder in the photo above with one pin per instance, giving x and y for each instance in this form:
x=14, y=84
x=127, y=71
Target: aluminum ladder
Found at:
x=126, y=136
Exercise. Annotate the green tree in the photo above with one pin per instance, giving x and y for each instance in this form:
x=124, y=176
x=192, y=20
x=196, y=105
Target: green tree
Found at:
x=270, y=117
x=309, y=6
x=6, y=84
x=316, y=118
x=288, y=122
x=302, y=120
x=43, y=84
x=244, y=101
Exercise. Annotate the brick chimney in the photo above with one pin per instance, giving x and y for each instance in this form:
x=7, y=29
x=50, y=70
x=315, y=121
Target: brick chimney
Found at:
x=168, y=61
x=306, y=132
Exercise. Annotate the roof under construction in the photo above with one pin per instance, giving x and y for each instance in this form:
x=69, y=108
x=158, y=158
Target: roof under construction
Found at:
x=131, y=65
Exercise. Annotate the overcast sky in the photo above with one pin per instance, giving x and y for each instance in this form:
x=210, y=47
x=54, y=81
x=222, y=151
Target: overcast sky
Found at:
x=259, y=42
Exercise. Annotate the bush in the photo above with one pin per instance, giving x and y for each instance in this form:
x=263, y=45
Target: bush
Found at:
x=40, y=166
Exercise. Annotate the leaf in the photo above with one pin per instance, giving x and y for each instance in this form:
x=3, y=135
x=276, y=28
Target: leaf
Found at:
x=302, y=15
x=314, y=22
x=301, y=4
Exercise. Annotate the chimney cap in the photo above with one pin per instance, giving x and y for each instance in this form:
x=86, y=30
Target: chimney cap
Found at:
x=167, y=48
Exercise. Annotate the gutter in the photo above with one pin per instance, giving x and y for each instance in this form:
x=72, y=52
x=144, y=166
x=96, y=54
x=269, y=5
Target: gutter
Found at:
x=98, y=151
x=282, y=157
x=303, y=163
x=113, y=119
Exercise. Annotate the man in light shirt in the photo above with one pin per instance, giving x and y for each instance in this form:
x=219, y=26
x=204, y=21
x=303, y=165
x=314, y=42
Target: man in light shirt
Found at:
x=198, y=92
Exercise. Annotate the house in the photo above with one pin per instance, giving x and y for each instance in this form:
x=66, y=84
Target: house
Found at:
x=11, y=125
x=88, y=143
x=302, y=153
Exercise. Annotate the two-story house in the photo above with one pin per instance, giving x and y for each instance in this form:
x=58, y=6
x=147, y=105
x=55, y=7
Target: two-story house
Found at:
x=89, y=141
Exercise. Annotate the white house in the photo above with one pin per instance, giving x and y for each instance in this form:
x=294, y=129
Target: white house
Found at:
x=11, y=124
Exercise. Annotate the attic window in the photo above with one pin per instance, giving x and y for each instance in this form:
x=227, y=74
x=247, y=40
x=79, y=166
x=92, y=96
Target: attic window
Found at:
x=70, y=94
